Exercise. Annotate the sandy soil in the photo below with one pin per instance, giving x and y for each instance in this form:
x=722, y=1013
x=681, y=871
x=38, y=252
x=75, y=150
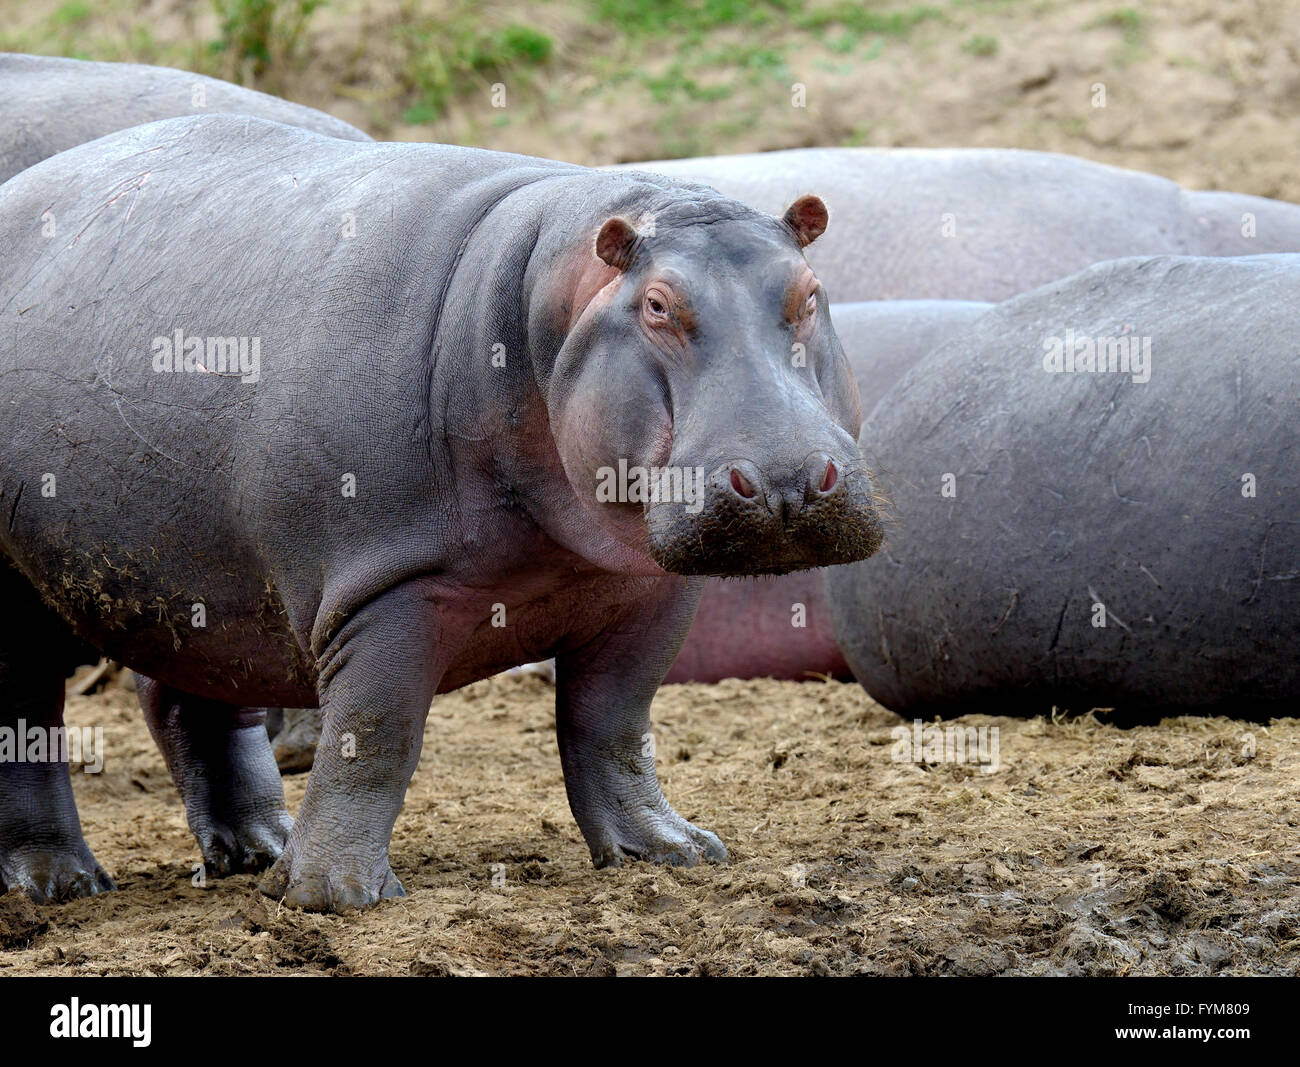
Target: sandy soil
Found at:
x=1206, y=92
x=1092, y=850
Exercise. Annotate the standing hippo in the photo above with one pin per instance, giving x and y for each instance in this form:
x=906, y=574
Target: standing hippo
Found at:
x=52, y=104
x=986, y=223
x=297, y=420
x=1098, y=491
x=780, y=627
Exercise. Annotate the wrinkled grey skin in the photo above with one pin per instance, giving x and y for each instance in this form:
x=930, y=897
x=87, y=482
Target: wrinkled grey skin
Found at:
x=1073, y=490
x=294, y=733
x=1020, y=218
x=884, y=339
x=744, y=626
x=49, y=104
x=356, y=520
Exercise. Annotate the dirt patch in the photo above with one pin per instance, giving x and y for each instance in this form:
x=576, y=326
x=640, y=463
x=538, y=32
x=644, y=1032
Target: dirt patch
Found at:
x=1167, y=849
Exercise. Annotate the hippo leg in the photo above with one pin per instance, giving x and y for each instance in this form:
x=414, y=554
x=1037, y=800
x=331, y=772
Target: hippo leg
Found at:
x=377, y=679
x=42, y=851
x=602, y=707
x=274, y=722
x=220, y=759
x=295, y=743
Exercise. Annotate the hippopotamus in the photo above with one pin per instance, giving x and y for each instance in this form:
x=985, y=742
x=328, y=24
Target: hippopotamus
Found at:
x=780, y=627
x=51, y=104
x=304, y=421
x=985, y=223
x=945, y=224
x=1097, y=490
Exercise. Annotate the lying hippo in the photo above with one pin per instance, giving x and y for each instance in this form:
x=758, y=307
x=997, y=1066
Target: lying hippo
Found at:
x=52, y=104
x=1098, y=494
x=986, y=223
x=311, y=421
x=780, y=627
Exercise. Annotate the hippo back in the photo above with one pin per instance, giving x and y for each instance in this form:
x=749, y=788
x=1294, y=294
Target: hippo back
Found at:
x=1121, y=539
x=52, y=104
x=985, y=224
x=884, y=339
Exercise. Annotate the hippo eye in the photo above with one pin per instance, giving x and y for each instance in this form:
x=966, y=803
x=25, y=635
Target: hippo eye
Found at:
x=656, y=305
x=810, y=306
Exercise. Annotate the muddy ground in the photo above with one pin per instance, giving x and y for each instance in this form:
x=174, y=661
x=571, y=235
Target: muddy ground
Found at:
x=1092, y=850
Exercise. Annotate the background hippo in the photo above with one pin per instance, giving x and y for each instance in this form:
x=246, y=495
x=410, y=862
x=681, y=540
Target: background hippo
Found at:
x=744, y=628
x=982, y=223
x=360, y=456
x=1093, y=539
x=52, y=104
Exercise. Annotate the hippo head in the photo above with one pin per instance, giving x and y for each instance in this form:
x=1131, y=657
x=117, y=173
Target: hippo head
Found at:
x=701, y=400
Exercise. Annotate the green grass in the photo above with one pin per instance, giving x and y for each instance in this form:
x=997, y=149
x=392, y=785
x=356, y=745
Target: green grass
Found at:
x=449, y=57
x=256, y=33
x=981, y=45
x=689, y=17
x=73, y=13
x=861, y=19
x=1127, y=20
x=1131, y=24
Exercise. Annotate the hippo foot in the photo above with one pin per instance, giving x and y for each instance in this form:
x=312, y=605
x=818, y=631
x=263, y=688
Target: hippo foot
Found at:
x=345, y=885
x=252, y=844
x=52, y=876
x=656, y=836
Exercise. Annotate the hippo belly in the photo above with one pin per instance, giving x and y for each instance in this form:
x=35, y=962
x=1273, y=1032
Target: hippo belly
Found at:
x=52, y=104
x=1093, y=538
x=985, y=224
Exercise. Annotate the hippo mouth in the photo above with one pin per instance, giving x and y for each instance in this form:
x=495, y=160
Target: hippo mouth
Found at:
x=737, y=537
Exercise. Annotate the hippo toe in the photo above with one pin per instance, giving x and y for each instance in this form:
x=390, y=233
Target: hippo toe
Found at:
x=49, y=876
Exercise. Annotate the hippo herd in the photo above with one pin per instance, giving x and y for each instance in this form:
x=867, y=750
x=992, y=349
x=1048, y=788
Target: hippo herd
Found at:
x=297, y=419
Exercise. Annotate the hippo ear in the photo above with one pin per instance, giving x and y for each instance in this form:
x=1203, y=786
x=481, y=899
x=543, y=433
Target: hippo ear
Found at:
x=807, y=217
x=614, y=242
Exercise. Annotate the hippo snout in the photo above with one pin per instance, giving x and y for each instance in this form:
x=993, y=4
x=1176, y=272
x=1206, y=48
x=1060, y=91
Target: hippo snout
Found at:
x=770, y=518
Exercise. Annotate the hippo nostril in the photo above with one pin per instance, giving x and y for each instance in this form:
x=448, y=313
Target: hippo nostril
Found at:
x=741, y=485
x=829, y=478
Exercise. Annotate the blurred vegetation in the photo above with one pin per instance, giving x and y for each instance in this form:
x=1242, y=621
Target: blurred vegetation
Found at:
x=449, y=49
x=449, y=55
x=607, y=80
x=258, y=33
